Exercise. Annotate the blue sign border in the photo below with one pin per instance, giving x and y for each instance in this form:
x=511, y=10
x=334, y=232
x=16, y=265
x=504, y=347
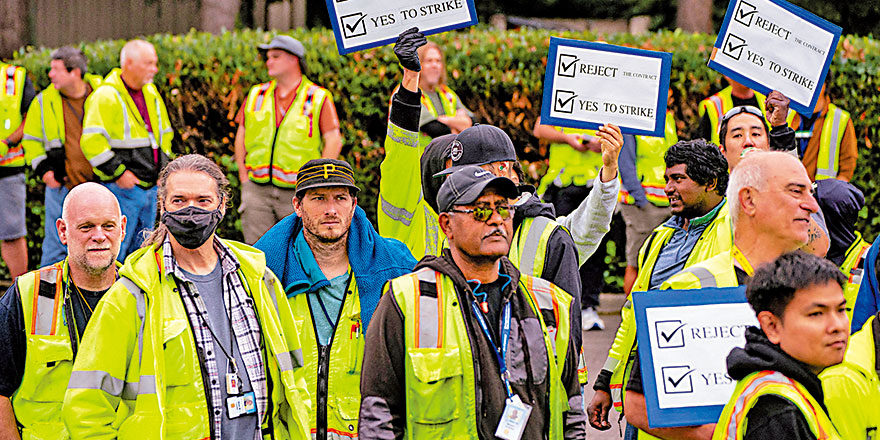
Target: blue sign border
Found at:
x=683, y=416
x=549, y=75
x=334, y=21
x=806, y=109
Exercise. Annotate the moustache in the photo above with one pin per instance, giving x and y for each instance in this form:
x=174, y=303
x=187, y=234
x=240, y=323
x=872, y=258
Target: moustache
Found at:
x=496, y=231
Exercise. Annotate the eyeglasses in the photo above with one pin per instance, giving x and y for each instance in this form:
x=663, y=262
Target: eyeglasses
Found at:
x=483, y=214
x=742, y=109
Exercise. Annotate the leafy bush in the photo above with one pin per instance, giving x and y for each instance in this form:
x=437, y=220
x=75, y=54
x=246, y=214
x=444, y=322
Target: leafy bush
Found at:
x=204, y=79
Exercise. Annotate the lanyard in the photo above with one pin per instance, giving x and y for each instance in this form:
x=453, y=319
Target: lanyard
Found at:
x=505, y=338
x=743, y=262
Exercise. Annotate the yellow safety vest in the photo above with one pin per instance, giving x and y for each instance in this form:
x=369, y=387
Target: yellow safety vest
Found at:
x=44, y=127
x=11, y=93
x=153, y=378
x=275, y=155
x=568, y=166
x=440, y=381
x=346, y=354
x=852, y=267
x=717, y=238
x=112, y=123
x=651, y=166
x=719, y=104
x=448, y=99
x=734, y=418
x=852, y=388
x=833, y=129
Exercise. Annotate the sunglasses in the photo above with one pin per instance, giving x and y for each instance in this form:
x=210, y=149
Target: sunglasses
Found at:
x=483, y=214
x=742, y=109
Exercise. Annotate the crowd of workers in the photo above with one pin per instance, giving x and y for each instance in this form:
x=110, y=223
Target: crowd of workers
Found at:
x=463, y=316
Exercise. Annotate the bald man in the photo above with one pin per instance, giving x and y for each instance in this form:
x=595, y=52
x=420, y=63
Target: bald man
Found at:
x=44, y=313
x=127, y=137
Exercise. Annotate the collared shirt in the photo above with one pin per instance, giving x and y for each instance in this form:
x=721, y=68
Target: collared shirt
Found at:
x=245, y=326
x=674, y=255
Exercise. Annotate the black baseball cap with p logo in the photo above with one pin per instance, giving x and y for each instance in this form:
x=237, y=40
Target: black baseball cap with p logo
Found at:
x=318, y=173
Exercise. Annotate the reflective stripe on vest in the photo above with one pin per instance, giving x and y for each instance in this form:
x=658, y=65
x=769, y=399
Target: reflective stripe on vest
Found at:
x=733, y=422
x=651, y=166
x=833, y=129
x=528, y=255
x=448, y=99
x=10, y=111
x=852, y=268
x=719, y=104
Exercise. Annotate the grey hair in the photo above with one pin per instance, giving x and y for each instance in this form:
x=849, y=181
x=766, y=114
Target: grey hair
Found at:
x=132, y=50
x=73, y=58
x=194, y=163
x=751, y=172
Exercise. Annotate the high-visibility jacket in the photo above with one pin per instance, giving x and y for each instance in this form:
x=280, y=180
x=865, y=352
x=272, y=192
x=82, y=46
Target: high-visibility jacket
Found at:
x=568, y=166
x=448, y=99
x=734, y=418
x=44, y=127
x=717, y=105
x=274, y=155
x=440, y=379
x=11, y=93
x=651, y=166
x=852, y=388
x=49, y=353
x=852, y=267
x=332, y=373
x=833, y=129
x=139, y=375
x=115, y=137
x=717, y=238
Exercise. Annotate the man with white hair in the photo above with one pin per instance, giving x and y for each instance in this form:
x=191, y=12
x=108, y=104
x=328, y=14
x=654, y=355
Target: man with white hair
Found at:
x=771, y=202
x=44, y=313
x=127, y=137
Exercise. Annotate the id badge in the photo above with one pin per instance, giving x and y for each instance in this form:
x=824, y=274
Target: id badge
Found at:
x=233, y=384
x=249, y=403
x=513, y=419
x=234, y=406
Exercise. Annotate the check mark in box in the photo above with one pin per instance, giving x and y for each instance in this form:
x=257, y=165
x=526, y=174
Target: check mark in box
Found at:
x=567, y=65
x=564, y=101
x=677, y=379
x=745, y=12
x=733, y=46
x=353, y=25
x=670, y=334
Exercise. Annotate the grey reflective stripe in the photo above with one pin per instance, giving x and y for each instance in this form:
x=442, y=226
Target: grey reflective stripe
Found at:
x=719, y=108
x=285, y=363
x=529, y=250
x=126, y=134
x=297, y=357
x=427, y=275
x=159, y=129
x=432, y=234
x=35, y=162
x=131, y=143
x=833, y=151
x=259, y=104
x=738, y=407
x=610, y=364
x=101, y=158
x=543, y=292
x=395, y=213
x=335, y=436
x=140, y=300
x=96, y=130
x=96, y=380
x=403, y=137
x=146, y=385
x=429, y=315
x=44, y=315
x=28, y=137
x=55, y=143
x=706, y=278
x=269, y=281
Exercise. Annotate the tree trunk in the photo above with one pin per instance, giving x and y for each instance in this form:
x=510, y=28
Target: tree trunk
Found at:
x=695, y=16
x=217, y=15
x=13, y=26
x=297, y=13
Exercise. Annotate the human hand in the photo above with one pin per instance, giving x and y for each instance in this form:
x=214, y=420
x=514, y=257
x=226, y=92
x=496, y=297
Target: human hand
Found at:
x=598, y=409
x=406, y=48
x=49, y=180
x=776, y=106
x=127, y=180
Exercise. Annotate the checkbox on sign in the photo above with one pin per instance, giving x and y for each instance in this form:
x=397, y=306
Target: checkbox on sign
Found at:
x=670, y=334
x=745, y=13
x=354, y=25
x=567, y=65
x=564, y=101
x=733, y=46
x=677, y=379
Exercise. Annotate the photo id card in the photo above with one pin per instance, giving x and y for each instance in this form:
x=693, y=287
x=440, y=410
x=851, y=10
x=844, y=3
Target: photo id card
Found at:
x=513, y=419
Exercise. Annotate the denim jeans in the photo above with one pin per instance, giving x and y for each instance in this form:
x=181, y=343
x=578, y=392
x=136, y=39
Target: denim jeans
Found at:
x=139, y=207
x=53, y=250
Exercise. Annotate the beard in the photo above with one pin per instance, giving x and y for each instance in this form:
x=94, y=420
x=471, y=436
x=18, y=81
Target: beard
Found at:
x=322, y=234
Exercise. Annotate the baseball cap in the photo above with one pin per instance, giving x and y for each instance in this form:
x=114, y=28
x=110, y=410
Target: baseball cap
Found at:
x=318, y=173
x=479, y=145
x=465, y=186
x=286, y=43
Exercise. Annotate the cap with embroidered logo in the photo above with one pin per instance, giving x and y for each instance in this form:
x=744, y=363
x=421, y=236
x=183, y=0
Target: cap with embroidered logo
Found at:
x=465, y=186
x=319, y=173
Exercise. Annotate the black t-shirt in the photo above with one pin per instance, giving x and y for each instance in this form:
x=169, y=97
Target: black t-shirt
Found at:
x=493, y=299
x=742, y=278
x=13, y=335
x=775, y=418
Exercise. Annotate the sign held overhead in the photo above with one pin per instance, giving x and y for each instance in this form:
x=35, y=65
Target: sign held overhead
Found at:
x=773, y=45
x=363, y=24
x=587, y=85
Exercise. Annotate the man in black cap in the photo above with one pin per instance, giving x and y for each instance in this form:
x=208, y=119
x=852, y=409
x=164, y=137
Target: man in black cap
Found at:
x=332, y=265
x=408, y=208
x=464, y=347
x=281, y=125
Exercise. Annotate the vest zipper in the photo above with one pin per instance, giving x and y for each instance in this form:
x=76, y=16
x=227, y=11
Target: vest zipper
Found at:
x=322, y=388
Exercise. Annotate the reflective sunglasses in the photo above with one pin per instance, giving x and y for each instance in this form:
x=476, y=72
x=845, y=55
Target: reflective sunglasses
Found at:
x=483, y=214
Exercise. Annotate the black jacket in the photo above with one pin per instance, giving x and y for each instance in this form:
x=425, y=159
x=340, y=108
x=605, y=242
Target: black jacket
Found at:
x=772, y=417
x=383, y=385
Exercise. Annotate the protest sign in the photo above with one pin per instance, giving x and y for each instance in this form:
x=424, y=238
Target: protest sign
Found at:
x=684, y=339
x=590, y=84
x=362, y=24
x=773, y=45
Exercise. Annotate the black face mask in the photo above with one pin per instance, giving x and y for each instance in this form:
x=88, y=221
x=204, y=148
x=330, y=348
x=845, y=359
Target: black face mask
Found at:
x=192, y=226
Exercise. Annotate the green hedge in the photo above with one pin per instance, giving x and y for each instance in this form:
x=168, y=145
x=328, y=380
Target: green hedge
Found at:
x=204, y=79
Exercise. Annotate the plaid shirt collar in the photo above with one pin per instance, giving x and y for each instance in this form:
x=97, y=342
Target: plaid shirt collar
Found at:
x=245, y=326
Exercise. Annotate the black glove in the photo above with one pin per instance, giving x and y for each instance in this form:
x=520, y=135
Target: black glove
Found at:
x=406, y=48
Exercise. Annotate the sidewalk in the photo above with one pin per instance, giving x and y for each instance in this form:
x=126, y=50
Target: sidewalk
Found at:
x=596, y=345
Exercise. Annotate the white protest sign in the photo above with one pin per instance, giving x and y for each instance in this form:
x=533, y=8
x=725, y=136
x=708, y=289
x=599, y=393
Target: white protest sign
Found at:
x=684, y=339
x=590, y=84
x=774, y=45
x=362, y=24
